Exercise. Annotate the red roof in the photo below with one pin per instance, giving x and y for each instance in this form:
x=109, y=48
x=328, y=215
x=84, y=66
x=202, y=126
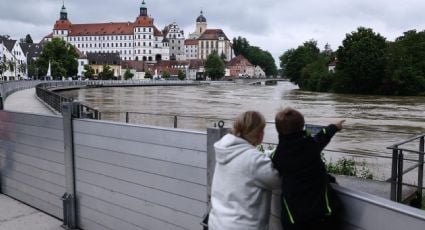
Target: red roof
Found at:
x=120, y=28
x=239, y=60
x=212, y=34
x=143, y=21
x=112, y=28
x=62, y=25
x=156, y=32
x=191, y=42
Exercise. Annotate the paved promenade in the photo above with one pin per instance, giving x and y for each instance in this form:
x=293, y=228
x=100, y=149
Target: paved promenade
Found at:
x=13, y=214
x=26, y=101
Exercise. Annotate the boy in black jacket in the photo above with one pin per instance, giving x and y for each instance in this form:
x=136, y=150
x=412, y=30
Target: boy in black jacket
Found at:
x=308, y=201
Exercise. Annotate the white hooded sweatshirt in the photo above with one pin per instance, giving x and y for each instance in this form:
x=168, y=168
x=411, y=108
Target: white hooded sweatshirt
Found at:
x=241, y=187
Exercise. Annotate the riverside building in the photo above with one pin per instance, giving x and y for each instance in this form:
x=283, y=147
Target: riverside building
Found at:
x=139, y=40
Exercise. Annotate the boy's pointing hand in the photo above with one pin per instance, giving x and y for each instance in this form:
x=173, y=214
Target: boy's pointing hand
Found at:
x=339, y=124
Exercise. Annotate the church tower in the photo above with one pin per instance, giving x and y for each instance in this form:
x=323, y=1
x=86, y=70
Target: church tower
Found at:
x=143, y=9
x=201, y=26
x=63, y=13
x=62, y=26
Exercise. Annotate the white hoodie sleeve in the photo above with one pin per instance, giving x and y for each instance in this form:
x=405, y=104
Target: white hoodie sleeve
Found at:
x=264, y=175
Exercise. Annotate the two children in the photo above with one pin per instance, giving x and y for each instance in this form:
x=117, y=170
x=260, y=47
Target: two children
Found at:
x=308, y=201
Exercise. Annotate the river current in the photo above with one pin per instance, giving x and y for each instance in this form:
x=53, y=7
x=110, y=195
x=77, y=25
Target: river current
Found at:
x=372, y=122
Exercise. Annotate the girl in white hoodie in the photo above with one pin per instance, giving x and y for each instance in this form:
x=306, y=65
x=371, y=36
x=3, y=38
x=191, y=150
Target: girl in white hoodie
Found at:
x=243, y=178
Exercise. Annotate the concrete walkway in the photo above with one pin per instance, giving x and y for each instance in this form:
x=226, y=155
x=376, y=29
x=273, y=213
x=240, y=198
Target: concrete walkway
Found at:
x=26, y=101
x=13, y=214
x=17, y=216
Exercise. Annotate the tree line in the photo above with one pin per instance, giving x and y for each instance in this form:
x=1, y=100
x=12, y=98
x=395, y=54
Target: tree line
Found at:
x=366, y=63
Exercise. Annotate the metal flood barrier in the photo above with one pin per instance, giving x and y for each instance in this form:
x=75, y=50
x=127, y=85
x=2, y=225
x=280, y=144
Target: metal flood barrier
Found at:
x=105, y=175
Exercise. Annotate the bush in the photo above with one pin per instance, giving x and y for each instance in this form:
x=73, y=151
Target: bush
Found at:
x=348, y=167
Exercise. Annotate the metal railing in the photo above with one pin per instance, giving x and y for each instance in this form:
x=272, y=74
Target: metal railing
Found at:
x=7, y=88
x=45, y=91
x=398, y=170
x=56, y=101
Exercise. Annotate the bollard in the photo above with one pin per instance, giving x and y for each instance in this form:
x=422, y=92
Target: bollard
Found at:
x=1, y=103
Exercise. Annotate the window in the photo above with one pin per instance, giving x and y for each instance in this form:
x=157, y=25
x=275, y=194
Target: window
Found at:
x=144, y=36
x=144, y=29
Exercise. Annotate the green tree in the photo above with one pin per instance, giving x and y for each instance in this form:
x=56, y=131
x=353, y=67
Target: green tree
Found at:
x=240, y=46
x=214, y=67
x=28, y=39
x=11, y=65
x=32, y=70
x=361, y=62
x=3, y=65
x=62, y=56
x=165, y=74
x=107, y=73
x=405, y=69
x=128, y=74
x=181, y=75
x=148, y=75
x=294, y=61
x=22, y=68
x=88, y=72
x=255, y=55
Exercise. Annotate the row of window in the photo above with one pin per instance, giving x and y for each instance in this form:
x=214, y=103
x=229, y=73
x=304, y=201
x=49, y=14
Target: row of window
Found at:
x=208, y=44
x=122, y=52
x=144, y=36
x=149, y=29
x=100, y=38
x=107, y=45
x=106, y=38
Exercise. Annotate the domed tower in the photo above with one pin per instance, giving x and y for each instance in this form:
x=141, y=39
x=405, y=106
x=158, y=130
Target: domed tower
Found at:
x=62, y=26
x=201, y=24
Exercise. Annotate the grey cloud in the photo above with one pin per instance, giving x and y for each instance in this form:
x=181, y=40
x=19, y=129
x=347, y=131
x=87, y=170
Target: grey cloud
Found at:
x=274, y=25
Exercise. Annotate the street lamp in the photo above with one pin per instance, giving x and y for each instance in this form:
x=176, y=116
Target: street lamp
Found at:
x=26, y=66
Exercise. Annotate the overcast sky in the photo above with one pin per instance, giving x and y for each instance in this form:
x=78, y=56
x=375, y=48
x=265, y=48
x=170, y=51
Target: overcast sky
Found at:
x=273, y=25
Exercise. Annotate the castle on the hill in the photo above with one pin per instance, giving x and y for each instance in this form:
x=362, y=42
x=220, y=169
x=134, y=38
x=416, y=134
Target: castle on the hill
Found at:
x=141, y=40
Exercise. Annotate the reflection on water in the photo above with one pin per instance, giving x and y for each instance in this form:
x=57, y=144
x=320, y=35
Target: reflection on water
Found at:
x=365, y=115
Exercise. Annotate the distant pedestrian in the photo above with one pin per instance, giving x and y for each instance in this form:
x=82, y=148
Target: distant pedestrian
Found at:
x=243, y=179
x=308, y=201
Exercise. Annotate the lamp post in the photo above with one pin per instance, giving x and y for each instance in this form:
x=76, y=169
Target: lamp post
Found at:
x=26, y=66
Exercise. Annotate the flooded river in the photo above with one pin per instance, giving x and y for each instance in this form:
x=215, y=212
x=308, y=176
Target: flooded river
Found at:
x=372, y=122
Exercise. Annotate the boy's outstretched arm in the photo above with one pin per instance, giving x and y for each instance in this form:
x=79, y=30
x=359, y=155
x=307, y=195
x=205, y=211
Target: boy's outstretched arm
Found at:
x=324, y=136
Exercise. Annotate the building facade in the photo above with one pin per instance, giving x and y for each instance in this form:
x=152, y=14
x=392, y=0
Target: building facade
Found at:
x=214, y=40
x=191, y=49
x=138, y=40
x=14, y=60
x=175, y=37
x=240, y=67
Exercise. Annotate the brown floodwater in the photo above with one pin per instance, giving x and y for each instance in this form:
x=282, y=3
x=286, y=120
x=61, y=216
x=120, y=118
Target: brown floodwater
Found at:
x=372, y=122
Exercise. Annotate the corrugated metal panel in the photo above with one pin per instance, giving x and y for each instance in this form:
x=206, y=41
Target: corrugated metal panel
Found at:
x=31, y=160
x=132, y=177
x=153, y=135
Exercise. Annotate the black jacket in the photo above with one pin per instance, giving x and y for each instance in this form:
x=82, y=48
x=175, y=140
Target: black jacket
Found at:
x=306, y=193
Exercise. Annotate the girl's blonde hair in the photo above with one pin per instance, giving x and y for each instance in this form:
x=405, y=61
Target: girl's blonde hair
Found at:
x=249, y=125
